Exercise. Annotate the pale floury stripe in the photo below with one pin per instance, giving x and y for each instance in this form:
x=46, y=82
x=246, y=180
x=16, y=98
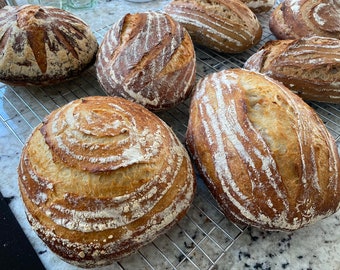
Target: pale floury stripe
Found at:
x=223, y=123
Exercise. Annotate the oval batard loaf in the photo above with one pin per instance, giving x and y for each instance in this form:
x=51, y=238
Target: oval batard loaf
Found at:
x=101, y=177
x=303, y=18
x=265, y=155
x=148, y=58
x=308, y=66
x=227, y=26
x=43, y=45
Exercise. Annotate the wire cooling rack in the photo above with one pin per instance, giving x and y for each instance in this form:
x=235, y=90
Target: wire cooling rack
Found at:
x=204, y=235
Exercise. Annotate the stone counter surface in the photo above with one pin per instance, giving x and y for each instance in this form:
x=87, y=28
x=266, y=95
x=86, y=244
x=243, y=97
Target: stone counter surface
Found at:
x=314, y=247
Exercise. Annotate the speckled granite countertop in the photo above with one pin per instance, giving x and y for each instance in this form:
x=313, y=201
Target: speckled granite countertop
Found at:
x=314, y=247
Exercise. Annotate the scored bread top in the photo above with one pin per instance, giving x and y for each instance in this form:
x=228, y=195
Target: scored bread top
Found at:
x=102, y=176
x=265, y=155
x=226, y=26
x=148, y=58
x=308, y=66
x=303, y=18
x=43, y=45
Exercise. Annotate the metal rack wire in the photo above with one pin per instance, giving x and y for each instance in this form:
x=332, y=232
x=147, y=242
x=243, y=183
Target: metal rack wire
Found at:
x=201, y=238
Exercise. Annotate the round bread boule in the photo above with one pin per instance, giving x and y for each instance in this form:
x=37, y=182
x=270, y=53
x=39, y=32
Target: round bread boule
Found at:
x=265, y=155
x=102, y=177
x=147, y=58
x=43, y=45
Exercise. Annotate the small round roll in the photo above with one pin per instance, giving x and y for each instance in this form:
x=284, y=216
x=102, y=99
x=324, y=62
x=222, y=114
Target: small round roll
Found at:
x=147, y=58
x=43, y=45
x=102, y=177
x=265, y=155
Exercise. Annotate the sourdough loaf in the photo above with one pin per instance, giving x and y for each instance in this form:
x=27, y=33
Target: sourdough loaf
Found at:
x=265, y=155
x=148, y=58
x=227, y=26
x=303, y=18
x=308, y=66
x=43, y=45
x=101, y=177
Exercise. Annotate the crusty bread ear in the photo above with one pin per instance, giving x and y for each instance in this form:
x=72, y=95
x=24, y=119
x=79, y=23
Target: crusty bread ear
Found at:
x=265, y=155
x=308, y=66
x=102, y=177
x=43, y=45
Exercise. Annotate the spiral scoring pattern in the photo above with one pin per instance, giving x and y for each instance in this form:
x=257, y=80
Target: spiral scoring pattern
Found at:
x=101, y=177
x=265, y=155
x=303, y=18
x=100, y=137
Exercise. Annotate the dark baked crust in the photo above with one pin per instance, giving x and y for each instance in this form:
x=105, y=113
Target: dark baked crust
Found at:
x=308, y=66
x=43, y=45
x=265, y=154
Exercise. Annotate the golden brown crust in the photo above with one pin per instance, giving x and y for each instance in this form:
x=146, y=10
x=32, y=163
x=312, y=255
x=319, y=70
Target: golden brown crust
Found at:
x=225, y=26
x=265, y=155
x=101, y=177
x=308, y=66
x=148, y=58
x=43, y=45
x=304, y=18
